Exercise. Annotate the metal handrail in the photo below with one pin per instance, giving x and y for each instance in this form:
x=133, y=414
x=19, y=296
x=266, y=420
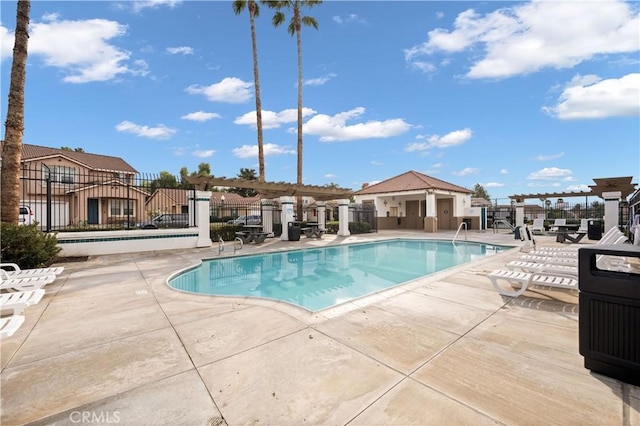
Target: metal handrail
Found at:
x=235, y=244
x=220, y=245
x=459, y=228
x=495, y=225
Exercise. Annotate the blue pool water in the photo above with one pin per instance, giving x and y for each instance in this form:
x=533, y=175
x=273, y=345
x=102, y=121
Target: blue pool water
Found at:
x=322, y=277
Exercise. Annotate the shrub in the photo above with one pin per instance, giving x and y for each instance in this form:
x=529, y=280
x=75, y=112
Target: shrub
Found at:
x=354, y=227
x=27, y=246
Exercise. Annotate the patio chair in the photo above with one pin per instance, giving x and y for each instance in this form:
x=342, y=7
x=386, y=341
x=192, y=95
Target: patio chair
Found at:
x=525, y=279
x=584, y=224
x=558, y=223
x=538, y=226
x=16, y=272
x=612, y=236
x=17, y=302
x=24, y=284
x=527, y=236
x=9, y=325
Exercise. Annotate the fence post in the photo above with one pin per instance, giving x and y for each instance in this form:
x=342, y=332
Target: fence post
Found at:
x=199, y=201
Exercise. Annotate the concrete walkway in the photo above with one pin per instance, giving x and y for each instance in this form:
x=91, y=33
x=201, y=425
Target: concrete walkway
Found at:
x=111, y=343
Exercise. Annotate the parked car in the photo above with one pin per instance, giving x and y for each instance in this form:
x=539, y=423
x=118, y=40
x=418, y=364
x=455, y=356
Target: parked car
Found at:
x=246, y=220
x=25, y=217
x=167, y=220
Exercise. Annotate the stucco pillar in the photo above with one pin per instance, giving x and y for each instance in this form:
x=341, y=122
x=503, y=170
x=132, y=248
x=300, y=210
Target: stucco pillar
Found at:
x=322, y=214
x=519, y=214
x=286, y=216
x=430, y=217
x=267, y=216
x=611, y=209
x=200, y=205
x=343, y=214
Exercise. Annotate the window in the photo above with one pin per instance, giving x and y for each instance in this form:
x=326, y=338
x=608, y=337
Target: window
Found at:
x=119, y=207
x=58, y=174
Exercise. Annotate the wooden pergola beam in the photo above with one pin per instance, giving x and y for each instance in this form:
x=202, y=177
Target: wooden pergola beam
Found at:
x=272, y=189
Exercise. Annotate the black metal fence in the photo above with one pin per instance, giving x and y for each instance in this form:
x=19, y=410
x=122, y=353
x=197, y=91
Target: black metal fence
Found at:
x=70, y=200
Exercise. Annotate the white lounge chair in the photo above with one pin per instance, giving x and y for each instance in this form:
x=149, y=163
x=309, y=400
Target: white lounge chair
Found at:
x=556, y=260
x=525, y=279
x=546, y=268
x=24, y=284
x=14, y=271
x=9, y=325
x=18, y=301
x=612, y=236
x=538, y=226
x=557, y=223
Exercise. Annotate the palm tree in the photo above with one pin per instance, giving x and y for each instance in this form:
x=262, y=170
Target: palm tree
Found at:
x=14, y=126
x=254, y=11
x=295, y=27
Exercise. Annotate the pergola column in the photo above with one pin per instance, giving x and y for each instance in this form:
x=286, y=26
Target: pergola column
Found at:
x=267, y=215
x=343, y=217
x=199, y=203
x=322, y=214
x=519, y=213
x=611, y=209
x=286, y=216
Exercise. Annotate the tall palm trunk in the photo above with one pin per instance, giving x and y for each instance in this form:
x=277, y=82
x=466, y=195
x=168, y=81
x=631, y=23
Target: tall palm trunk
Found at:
x=256, y=82
x=14, y=125
x=298, y=25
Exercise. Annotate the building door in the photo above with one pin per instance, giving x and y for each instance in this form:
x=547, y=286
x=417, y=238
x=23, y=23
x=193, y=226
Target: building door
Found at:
x=92, y=211
x=413, y=219
x=445, y=213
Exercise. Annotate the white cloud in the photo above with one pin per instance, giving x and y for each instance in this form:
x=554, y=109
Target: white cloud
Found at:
x=493, y=185
x=200, y=116
x=269, y=149
x=578, y=188
x=457, y=137
x=82, y=49
x=185, y=50
x=377, y=163
x=535, y=35
x=334, y=128
x=272, y=119
x=425, y=67
x=320, y=80
x=541, y=157
x=592, y=98
x=351, y=18
x=231, y=90
x=550, y=173
x=140, y=5
x=159, y=132
x=504, y=171
x=330, y=176
x=204, y=154
x=466, y=171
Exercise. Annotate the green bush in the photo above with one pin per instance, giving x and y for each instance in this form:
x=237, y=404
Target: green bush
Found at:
x=354, y=227
x=27, y=246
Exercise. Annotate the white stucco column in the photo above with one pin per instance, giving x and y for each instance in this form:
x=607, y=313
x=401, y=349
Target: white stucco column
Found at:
x=520, y=213
x=611, y=209
x=431, y=215
x=267, y=216
x=200, y=204
x=322, y=214
x=343, y=213
x=286, y=216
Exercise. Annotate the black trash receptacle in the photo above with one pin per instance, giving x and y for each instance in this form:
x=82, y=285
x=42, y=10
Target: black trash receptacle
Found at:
x=468, y=222
x=293, y=231
x=594, y=229
x=609, y=313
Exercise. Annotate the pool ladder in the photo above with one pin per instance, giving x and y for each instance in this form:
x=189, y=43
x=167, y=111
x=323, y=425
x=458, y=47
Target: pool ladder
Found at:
x=459, y=228
x=237, y=244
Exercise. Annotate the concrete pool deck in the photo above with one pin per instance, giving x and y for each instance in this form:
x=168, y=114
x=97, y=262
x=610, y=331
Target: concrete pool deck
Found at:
x=111, y=343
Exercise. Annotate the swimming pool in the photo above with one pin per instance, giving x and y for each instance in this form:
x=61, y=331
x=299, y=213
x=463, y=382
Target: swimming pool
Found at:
x=322, y=277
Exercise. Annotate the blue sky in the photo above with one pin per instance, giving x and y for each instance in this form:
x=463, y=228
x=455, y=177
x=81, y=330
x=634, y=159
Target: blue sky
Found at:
x=521, y=97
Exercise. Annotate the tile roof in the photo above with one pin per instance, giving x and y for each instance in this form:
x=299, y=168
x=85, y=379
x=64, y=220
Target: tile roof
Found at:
x=92, y=161
x=411, y=181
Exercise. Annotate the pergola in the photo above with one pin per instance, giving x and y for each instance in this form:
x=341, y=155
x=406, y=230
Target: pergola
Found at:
x=615, y=184
x=272, y=189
